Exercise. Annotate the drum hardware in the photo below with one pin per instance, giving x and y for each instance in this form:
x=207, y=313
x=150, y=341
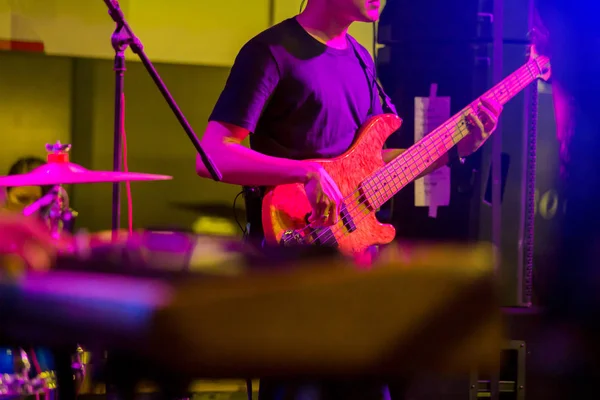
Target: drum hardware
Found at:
x=80, y=361
x=83, y=373
x=18, y=380
x=53, y=209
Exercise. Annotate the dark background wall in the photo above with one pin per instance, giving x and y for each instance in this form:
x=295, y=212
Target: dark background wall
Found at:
x=433, y=41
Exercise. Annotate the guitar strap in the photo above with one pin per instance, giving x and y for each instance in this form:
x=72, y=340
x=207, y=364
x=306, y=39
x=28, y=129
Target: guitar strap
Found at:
x=388, y=106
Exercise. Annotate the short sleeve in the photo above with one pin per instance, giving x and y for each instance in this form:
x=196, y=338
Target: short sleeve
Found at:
x=250, y=84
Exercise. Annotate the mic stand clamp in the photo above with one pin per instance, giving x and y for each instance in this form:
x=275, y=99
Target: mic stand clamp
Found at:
x=122, y=38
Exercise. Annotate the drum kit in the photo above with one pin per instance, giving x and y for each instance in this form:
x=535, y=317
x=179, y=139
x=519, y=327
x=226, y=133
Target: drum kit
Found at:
x=54, y=209
x=31, y=372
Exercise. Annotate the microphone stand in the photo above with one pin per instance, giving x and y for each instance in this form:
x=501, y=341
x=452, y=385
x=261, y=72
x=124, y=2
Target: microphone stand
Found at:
x=122, y=38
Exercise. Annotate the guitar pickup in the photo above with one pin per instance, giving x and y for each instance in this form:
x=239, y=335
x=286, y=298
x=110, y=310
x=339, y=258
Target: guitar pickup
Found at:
x=347, y=219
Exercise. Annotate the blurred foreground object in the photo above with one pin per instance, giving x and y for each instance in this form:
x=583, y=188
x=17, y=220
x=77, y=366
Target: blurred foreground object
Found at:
x=572, y=295
x=215, y=218
x=574, y=47
x=27, y=242
x=434, y=311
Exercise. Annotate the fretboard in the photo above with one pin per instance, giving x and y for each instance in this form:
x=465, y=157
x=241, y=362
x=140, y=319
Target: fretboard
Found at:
x=389, y=180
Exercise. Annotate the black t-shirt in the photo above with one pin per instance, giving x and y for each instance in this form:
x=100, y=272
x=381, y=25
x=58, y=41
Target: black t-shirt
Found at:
x=300, y=98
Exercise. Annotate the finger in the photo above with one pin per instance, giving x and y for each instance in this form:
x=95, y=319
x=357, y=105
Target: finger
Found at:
x=492, y=105
x=338, y=211
x=488, y=119
x=332, y=215
x=315, y=212
x=318, y=216
x=474, y=121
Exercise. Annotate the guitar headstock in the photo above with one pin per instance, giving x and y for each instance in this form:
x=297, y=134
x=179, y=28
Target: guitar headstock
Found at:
x=544, y=70
x=540, y=49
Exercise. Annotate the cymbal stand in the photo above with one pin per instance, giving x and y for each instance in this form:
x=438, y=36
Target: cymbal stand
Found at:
x=53, y=207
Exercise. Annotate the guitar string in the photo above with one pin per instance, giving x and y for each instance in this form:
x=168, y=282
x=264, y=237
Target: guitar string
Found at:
x=521, y=81
x=362, y=198
x=374, y=192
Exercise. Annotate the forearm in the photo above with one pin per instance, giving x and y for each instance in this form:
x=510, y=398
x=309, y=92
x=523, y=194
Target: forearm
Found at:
x=390, y=154
x=240, y=165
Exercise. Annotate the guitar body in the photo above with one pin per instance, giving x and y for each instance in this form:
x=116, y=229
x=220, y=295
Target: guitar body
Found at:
x=286, y=207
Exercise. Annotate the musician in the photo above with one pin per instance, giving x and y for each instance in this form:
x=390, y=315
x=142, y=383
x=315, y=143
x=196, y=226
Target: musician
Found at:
x=24, y=242
x=15, y=199
x=301, y=90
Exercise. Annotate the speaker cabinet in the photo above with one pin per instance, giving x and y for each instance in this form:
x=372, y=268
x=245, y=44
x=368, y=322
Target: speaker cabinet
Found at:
x=461, y=60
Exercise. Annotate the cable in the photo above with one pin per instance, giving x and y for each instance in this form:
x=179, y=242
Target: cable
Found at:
x=126, y=169
x=237, y=221
x=375, y=47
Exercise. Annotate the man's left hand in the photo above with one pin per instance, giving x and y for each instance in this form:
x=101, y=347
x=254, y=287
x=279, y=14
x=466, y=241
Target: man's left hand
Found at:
x=481, y=125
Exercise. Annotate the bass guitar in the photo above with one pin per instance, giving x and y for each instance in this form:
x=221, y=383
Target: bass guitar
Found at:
x=366, y=182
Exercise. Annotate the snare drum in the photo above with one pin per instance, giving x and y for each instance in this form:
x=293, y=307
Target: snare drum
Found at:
x=25, y=373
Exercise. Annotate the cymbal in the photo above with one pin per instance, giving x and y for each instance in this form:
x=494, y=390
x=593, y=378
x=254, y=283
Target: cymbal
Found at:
x=64, y=173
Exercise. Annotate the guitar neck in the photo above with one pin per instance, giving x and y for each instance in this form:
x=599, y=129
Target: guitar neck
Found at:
x=389, y=180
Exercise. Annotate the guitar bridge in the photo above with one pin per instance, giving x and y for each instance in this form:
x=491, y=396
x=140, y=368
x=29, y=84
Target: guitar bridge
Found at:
x=291, y=238
x=318, y=237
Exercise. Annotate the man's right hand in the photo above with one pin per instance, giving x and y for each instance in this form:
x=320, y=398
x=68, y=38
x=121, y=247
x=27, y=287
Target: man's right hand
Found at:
x=324, y=196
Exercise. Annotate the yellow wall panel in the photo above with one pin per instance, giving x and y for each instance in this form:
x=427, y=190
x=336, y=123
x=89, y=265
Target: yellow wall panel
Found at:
x=66, y=27
x=174, y=31
x=35, y=105
x=197, y=32
x=5, y=20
